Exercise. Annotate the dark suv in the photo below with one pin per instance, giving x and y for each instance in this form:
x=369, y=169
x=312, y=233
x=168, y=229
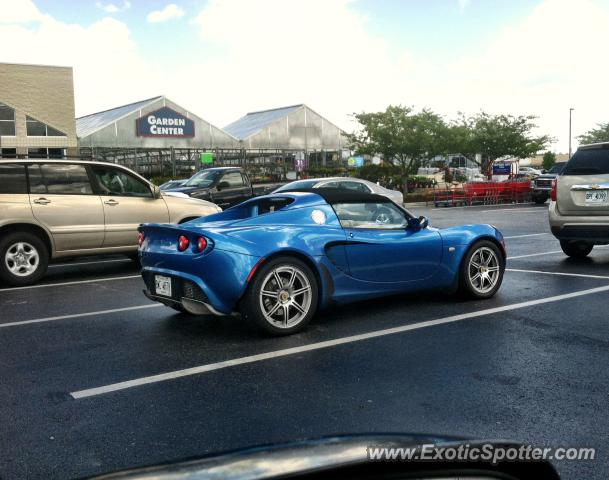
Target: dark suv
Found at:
x=542, y=185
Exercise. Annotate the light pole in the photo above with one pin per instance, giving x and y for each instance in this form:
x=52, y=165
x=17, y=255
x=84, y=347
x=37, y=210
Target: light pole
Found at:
x=570, y=111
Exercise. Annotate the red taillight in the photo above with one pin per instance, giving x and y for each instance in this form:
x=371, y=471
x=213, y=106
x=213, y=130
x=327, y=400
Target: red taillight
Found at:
x=183, y=243
x=553, y=191
x=140, y=239
x=201, y=244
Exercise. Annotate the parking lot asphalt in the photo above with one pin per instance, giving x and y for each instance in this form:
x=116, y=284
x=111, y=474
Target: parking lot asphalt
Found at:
x=82, y=353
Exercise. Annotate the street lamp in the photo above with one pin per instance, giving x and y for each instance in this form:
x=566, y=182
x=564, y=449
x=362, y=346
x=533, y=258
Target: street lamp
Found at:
x=570, y=110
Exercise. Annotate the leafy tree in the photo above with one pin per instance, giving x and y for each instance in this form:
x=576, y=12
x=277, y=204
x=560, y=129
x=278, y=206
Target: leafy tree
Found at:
x=549, y=159
x=495, y=136
x=595, y=135
x=401, y=136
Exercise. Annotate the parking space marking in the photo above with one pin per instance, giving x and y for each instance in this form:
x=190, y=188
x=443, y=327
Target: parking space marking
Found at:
x=527, y=235
x=116, y=260
x=582, y=275
x=547, y=253
x=78, y=315
x=538, y=209
x=92, y=392
x=76, y=282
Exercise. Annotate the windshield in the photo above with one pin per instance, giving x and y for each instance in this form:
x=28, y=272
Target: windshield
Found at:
x=298, y=185
x=205, y=178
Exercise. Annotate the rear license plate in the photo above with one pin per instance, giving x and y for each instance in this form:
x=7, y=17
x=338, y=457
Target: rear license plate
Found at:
x=162, y=285
x=599, y=196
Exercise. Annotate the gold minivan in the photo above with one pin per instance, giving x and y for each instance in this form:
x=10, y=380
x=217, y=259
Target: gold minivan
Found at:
x=60, y=208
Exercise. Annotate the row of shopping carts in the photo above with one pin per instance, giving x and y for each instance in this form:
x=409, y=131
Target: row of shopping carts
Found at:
x=484, y=193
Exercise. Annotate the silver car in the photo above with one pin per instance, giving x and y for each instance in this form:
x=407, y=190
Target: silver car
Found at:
x=344, y=182
x=579, y=206
x=59, y=208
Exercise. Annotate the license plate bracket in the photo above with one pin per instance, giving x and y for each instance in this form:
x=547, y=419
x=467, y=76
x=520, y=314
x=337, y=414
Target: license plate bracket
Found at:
x=597, y=196
x=162, y=285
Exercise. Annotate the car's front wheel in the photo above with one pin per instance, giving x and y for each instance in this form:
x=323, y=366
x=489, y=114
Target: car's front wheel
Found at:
x=481, y=271
x=24, y=259
x=576, y=249
x=282, y=297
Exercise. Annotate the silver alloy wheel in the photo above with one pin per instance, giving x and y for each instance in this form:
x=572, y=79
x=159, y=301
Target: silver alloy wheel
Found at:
x=285, y=297
x=22, y=259
x=484, y=270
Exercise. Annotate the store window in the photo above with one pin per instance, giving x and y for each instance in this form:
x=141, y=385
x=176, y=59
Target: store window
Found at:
x=7, y=120
x=36, y=128
x=8, y=153
x=46, y=152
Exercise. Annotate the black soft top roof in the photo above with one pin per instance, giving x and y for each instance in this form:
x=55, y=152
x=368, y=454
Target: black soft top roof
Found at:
x=342, y=195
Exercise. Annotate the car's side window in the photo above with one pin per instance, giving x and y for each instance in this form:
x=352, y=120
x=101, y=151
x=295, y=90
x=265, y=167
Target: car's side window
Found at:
x=12, y=178
x=370, y=215
x=234, y=179
x=357, y=186
x=59, y=179
x=115, y=182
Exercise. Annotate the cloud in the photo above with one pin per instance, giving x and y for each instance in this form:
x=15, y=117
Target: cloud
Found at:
x=113, y=8
x=463, y=4
x=170, y=12
x=18, y=12
x=108, y=68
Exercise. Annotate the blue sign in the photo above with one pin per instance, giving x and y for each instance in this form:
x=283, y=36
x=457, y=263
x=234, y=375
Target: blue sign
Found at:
x=502, y=168
x=164, y=122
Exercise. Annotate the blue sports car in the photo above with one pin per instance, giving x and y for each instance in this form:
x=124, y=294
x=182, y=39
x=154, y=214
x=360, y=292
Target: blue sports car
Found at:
x=277, y=259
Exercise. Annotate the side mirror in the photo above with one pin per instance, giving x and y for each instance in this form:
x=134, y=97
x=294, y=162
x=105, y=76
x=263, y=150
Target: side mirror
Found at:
x=222, y=185
x=417, y=224
x=156, y=191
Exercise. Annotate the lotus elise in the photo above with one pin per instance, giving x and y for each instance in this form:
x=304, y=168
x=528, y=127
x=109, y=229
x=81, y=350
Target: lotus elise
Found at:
x=279, y=258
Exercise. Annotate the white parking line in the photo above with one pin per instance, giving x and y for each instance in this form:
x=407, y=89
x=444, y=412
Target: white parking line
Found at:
x=78, y=315
x=116, y=260
x=527, y=235
x=534, y=254
x=604, y=277
x=538, y=209
x=91, y=392
x=76, y=282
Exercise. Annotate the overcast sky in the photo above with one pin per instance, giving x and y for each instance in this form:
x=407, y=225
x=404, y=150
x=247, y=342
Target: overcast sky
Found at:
x=223, y=58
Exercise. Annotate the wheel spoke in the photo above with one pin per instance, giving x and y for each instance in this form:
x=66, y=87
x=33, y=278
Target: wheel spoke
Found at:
x=278, y=280
x=268, y=293
x=274, y=309
x=299, y=308
x=475, y=265
x=286, y=314
x=292, y=278
x=299, y=291
x=475, y=277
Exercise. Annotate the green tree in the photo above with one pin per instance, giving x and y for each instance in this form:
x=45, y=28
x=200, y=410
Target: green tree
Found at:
x=595, y=135
x=401, y=137
x=549, y=159
x=496, y=136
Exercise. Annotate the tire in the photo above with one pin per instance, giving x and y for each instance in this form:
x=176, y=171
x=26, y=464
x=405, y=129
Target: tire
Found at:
x=267, y=311
x=576, y=249
x=24, y=259
x=477, y=277
x=540, y=200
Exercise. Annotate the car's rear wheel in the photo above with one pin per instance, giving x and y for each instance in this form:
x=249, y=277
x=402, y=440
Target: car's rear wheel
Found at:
x=481, y=271
x=24, y=259
x=576, y=249
x=282, y=297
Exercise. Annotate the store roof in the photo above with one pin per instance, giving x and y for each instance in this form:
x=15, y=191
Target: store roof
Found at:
x=91, y=123
x=255, y=121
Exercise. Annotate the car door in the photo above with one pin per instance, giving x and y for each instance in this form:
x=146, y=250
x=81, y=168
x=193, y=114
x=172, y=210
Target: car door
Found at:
x=127, y=202
x=232, y=189
x=63, y=200
x=380, y=246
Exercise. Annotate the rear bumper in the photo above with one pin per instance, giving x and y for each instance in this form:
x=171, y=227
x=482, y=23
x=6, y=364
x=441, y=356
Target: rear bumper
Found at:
x=592, y=229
